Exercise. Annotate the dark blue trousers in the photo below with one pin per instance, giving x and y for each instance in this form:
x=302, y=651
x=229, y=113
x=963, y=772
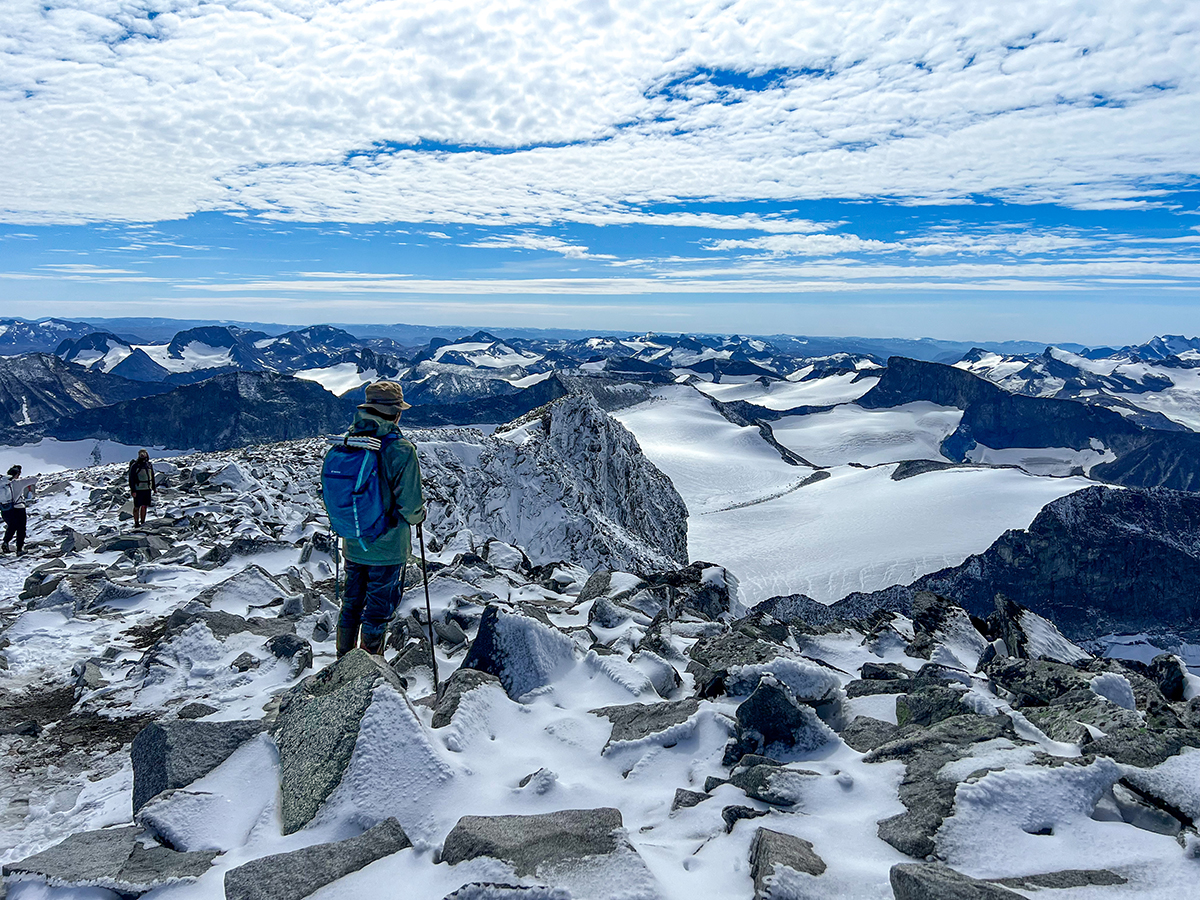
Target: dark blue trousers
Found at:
x=372, y=595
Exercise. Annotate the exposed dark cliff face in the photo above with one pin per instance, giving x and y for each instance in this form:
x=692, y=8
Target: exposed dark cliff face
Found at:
x=231, y=410
x=38, y=388
x=504, y=405
x=1098, y=561
x=995, y=418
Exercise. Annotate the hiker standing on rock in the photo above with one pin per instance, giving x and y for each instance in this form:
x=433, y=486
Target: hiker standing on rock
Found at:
x=375, y=556
x=13, y=495
x=141, y=486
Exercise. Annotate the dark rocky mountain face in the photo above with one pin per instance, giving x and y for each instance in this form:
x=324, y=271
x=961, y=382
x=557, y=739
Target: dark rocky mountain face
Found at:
x=1099, y=561
x=21, y=336
x=138, y=366
x=38, y=389
x=243, y=354
x=502, y=403
x=1147, y=457
x=89, y=350
x=231, y=410
x=307, y=348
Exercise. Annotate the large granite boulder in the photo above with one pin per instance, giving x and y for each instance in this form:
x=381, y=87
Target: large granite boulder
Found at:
x=294, y=875
x=112, y=858
x=349, y=738
x=173, y=754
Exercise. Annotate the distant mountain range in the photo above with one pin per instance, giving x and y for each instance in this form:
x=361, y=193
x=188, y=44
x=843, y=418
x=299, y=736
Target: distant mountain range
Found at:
x=1127, y=416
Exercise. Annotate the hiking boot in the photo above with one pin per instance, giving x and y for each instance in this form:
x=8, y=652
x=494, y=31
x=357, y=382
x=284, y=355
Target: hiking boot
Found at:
x=373, y=644
x=346, y=639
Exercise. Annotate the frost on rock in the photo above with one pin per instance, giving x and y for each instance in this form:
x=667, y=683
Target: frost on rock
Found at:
x=219, y=810
x=519, y=650
x=114, y=859
x=581, y=490
x=351, y=726
x=1115, y=688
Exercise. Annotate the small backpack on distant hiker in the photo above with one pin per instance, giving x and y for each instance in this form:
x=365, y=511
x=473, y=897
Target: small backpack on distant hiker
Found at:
x=352, y=486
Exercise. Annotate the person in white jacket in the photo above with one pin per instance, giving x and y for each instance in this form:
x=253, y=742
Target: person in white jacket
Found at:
x=12, y=506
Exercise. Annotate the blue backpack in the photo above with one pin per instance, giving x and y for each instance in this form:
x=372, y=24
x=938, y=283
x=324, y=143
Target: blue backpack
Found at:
x=354, y=489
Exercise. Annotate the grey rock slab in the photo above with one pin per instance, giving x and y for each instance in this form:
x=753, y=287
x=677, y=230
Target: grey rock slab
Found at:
x=635, y=721
x=770, y=850
x=927, y=705
x=1035, y=682
x=935, y=881
x=294, y=875
x=685, y=799
x=1066, y=717
x=1141, y=747
x=528, y=843
x=1067, y=878
x=173, y=754
x=734, y=814
x=317, y=728
x=865, y=733
x=112, y=858
x=451, y=691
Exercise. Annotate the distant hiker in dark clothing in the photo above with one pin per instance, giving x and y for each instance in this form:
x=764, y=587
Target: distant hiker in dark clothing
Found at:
x=13, y=495
x=374, y=569
x=141, y=486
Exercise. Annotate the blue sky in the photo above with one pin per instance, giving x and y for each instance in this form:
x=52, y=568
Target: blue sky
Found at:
x=954, y=170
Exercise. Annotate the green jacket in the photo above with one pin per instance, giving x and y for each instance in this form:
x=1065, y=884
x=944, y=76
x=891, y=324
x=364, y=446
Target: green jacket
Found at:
x=402, y=473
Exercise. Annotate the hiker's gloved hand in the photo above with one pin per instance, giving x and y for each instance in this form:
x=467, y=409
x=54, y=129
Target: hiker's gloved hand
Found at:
x=417, y=518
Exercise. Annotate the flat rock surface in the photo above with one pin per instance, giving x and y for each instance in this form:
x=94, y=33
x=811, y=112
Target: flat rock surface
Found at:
x=934, y=881
x=291, y=876
x=634, y=721
x=113, y=858
x=529, y=842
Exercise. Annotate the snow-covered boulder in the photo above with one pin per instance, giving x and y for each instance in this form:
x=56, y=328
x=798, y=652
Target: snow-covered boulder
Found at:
x=519, y=650
x=290, y=876
x=351, y=744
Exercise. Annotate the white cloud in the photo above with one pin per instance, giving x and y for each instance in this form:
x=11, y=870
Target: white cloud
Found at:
x=297, y=108
x=531, y=241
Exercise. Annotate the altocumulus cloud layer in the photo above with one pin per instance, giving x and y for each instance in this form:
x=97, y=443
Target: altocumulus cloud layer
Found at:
x=744, y=148
x=388, y=110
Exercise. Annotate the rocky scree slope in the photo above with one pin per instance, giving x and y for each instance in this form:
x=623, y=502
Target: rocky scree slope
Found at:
x=178, y=727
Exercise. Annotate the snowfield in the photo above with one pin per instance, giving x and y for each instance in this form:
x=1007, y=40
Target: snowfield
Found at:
x=857, y=530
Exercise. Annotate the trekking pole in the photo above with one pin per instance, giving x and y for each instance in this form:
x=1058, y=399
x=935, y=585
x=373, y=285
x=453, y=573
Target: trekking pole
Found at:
x=428, y=610
x=337, y=569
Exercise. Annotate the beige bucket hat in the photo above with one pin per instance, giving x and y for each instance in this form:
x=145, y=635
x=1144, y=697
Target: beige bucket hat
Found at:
x=387, y=397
